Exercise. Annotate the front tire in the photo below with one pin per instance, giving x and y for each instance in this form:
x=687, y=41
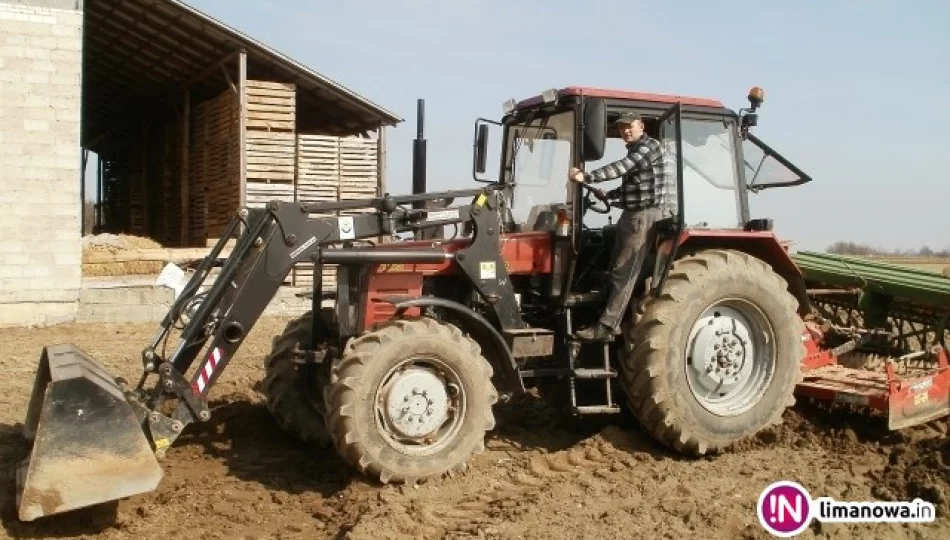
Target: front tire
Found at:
x=717, y=356
x=294, y=392
x=410, y=400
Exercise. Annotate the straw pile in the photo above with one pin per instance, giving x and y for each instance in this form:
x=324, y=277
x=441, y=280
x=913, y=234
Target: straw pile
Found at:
x=114, y=243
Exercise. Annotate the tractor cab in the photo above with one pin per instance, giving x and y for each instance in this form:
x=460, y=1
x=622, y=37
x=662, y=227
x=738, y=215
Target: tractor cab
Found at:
x=711, y=155
x=712, y=162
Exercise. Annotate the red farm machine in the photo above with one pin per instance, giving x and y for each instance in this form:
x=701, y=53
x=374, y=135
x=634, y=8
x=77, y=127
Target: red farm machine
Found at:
x=877, y=337
x=399, y=367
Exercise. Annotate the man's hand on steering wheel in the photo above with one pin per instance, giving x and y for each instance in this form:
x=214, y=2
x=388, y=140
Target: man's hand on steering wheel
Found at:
x=577, y=176
x=595, y=193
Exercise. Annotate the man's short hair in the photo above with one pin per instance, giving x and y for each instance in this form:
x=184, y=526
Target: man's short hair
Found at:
x=627, y=118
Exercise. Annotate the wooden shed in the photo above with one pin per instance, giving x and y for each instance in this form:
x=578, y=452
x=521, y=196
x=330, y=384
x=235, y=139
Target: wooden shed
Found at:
x=191, y=119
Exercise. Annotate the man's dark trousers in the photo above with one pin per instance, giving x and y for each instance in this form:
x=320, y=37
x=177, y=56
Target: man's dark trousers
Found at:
x=635, y=229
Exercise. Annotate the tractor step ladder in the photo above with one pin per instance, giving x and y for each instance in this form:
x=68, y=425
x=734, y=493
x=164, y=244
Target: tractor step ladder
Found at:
x=603, y=372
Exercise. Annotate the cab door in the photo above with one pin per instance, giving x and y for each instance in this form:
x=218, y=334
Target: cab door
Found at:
x=669, y=228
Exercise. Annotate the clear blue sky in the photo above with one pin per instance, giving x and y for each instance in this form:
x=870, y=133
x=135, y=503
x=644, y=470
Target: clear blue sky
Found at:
x=857, y=92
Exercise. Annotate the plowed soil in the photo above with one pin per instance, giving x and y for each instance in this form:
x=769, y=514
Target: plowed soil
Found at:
x=240, y=476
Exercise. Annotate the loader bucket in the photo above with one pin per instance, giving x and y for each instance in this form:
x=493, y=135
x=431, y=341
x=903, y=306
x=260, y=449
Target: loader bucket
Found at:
x=88, y=447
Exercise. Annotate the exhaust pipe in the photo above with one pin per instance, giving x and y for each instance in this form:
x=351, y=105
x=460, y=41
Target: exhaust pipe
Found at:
x=419, y=153
x=419, y=174
x=419, y=164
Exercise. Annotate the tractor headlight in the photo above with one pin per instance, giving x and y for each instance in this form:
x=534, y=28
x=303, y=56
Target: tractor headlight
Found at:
x=509, y=106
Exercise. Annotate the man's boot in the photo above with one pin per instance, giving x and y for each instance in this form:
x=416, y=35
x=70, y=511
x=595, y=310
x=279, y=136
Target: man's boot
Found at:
x=596, y=332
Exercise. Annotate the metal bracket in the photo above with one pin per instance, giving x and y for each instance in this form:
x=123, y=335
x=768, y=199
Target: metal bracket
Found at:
x=174, y=383
x=305, y=356
x=164, y=431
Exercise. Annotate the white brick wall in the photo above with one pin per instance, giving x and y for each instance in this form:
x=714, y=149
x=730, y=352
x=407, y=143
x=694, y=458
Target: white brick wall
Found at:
x=40, y=83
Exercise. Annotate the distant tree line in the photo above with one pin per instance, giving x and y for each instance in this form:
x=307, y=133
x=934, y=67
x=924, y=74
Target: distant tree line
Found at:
x=854, y=248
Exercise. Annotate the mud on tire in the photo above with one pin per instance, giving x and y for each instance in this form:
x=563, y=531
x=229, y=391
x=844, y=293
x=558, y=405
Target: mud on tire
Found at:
x=293, y=396
x=410, y=400
x=673, y=360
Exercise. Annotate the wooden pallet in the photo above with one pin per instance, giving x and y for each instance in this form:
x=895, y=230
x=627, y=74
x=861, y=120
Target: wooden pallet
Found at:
x=359, y=173
x=271, y=106
x=260, y=193
x=271, y=156
x=332, y=169
x=222, y=180
x=318, y=170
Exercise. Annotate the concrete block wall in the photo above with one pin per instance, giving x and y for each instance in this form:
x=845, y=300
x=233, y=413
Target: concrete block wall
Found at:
x=139, y=302
x=40, y=160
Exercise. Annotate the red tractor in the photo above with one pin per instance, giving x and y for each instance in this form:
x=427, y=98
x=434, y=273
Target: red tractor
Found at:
x=421, y=338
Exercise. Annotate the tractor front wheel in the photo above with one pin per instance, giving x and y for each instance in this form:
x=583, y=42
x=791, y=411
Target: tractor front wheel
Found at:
x=716, y=357
x=293, y=391
x=410, y=400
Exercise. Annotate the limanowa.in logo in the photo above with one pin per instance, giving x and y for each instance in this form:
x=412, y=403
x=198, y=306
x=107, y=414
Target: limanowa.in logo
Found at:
x=786, y=509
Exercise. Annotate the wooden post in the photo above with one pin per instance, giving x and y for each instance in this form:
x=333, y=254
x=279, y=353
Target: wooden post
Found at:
x=381, y=160
x=381, y=170
x=185, y=177
x=129, y=170
x=146, y=196
x=100, y=217
x=242, y=126
x=165, y=183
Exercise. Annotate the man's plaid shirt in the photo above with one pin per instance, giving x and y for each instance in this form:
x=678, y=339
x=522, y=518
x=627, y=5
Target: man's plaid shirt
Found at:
x=647, y=182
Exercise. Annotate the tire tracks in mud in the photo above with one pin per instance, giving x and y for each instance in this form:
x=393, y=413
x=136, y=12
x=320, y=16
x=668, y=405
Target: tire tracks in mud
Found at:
x=490, y=494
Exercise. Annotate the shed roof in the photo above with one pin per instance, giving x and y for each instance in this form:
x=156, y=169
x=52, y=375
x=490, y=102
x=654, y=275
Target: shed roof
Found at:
x=139, y=54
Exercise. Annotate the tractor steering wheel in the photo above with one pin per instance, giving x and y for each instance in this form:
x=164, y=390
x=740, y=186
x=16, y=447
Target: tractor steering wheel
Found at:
x=590, y=204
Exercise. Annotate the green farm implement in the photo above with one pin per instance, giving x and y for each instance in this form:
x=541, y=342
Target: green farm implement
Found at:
x=879, y=332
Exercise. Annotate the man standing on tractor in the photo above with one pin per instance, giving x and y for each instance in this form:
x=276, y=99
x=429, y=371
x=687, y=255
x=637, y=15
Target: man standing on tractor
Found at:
x=643, y=196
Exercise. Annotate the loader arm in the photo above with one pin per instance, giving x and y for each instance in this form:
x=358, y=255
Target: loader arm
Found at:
x=275, y=239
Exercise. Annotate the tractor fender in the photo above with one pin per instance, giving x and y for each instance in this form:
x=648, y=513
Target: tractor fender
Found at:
x=491, y=341
x=763, y=245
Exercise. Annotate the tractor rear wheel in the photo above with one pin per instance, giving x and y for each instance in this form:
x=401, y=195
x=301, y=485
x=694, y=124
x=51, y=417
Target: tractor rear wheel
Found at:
x=294, y=392
x=410, y=400
x=716, y=357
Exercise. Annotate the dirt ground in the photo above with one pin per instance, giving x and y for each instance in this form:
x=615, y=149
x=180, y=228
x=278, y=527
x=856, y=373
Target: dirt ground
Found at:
x=240, y=476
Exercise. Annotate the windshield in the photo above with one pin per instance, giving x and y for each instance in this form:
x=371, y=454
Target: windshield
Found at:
x=537, y=160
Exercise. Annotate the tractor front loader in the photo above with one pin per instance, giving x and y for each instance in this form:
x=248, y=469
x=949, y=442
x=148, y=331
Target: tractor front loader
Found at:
x=95, y=439
x=399, y=374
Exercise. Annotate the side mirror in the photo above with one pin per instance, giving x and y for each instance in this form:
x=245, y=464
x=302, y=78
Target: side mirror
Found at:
x=595, y=129
x=481, y=148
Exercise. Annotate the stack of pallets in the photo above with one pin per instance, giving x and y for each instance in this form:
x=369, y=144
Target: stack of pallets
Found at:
x=271, y=118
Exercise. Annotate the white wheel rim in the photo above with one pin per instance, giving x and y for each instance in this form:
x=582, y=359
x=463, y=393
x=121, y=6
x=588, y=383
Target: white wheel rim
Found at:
x=730, y=357
x=419, y=406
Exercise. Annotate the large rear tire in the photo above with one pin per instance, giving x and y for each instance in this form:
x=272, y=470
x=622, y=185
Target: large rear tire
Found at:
x=410, y=400
x=294, y=392
x=717, y=356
